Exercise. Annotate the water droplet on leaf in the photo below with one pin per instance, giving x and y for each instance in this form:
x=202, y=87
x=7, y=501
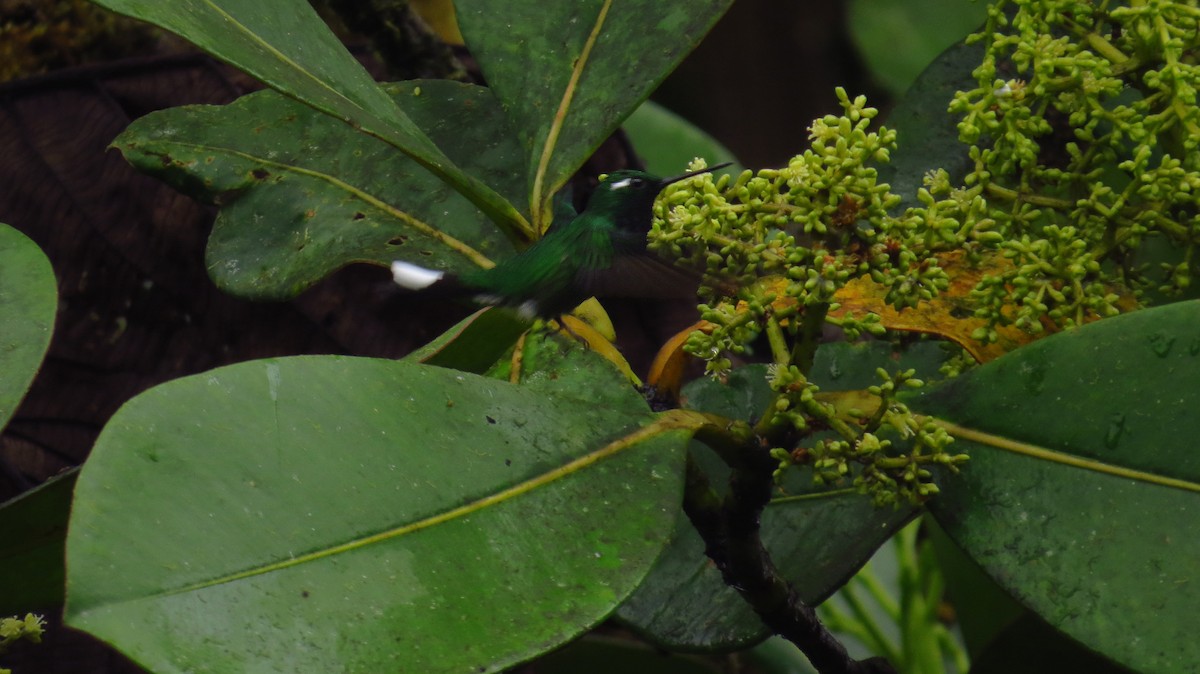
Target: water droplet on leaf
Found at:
x=1116, y=426
x=1035, y=376
x=1161, y=344
x=834, y=371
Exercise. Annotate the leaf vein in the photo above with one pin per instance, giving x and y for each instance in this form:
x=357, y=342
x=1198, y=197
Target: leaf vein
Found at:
x=1034, y=451
x=560, y=115
x=663, y=423
x=417, y=224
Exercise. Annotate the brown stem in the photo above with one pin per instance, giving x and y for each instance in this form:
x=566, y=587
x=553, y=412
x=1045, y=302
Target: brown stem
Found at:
x=730, y=528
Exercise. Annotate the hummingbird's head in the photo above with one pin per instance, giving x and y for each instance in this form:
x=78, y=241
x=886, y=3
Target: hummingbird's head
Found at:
x=628, y=196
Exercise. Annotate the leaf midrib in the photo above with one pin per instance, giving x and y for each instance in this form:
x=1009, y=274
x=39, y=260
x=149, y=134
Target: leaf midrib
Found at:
x=417, y=224
x=269, y=48
x=537, y=198
x=664, y=423
x=1037, y=452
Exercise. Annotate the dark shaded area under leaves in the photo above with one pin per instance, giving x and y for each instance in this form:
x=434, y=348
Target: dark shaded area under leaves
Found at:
x=136, y=306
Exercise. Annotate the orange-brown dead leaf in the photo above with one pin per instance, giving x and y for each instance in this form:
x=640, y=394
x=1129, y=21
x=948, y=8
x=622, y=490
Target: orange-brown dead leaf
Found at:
x=948, y=316
x=666, y=372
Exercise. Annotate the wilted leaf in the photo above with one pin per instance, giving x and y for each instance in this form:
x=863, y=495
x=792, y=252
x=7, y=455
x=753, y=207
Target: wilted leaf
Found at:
x=949, y=315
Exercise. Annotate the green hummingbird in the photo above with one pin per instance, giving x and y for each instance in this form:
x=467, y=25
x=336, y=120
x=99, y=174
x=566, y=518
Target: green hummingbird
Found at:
x=601, y=252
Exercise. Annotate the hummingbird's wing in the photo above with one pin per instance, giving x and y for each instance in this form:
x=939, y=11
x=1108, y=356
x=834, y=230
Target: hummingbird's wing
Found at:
x=638, y=275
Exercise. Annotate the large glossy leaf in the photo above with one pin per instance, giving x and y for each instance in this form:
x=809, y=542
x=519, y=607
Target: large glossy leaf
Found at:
x=33, y=534
x=982, y=609
x=475, y=343
x=338, y=514
x=1030, y=646
x=927, y=135
x=1082, y=495
x=569, y=72
x=667, y=142
x=302, y=194
x=594, y=654
x=28, y=302
x=817, y=540
x=286, y=45
x=899, y=38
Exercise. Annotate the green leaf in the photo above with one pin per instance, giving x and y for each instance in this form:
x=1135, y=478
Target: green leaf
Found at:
x=287, y=46
x=842, y=366
x=340, y=514
x=982, y=609
x=33, y=535
x=899, y=38
x=818, y=540
x=777, y=655
x=1083, y=488
x=1030, y=646
x=594, y=654
x=303, y=195
x=926, y=133
x=569, y=72
x=667, y=142
x=28, y=304
x=475, y=343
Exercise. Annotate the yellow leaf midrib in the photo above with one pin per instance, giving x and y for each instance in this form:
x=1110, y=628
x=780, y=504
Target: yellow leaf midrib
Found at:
x=662, y=424
x=538, y=200
x=1035, y=451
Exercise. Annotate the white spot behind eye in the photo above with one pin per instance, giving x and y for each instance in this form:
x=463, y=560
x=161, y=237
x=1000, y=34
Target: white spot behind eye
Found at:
x=622, y=184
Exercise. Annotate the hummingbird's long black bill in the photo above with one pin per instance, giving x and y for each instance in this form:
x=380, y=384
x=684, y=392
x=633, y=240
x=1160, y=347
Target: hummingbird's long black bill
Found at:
x=684, y=176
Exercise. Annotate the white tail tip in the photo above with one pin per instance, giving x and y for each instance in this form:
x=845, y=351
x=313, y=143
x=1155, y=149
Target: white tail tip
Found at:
x=411, y=276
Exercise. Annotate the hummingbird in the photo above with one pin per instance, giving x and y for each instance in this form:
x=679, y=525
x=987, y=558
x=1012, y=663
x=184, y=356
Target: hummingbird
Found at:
x=601, y=252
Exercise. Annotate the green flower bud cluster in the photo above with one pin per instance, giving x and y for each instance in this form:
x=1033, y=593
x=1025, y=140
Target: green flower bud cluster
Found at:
x=795, y=402
x=798, y=233
x=892, y=455
x=31, y=628
x=1085, y=135
x=959, y=362
x=778, y=245
x=1049, y=281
